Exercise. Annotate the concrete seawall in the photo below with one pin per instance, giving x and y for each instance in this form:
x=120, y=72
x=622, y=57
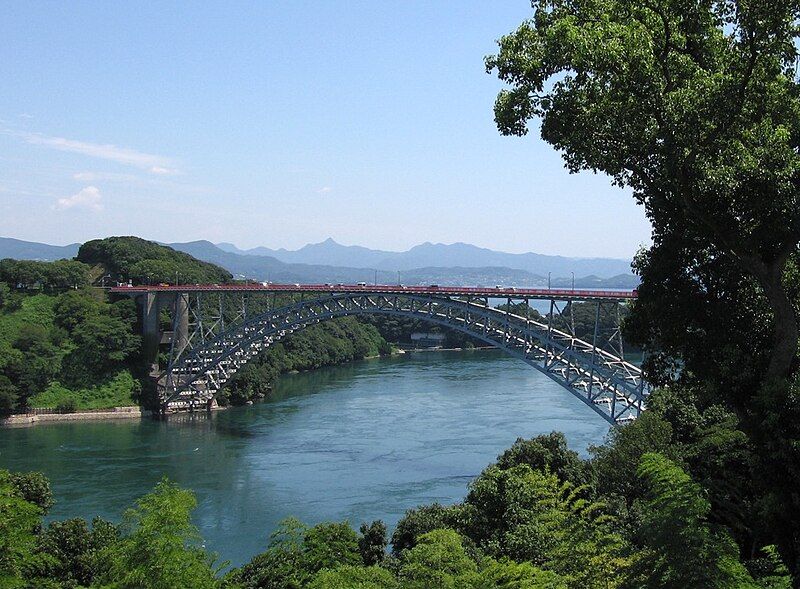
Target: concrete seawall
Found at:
x=112, y=413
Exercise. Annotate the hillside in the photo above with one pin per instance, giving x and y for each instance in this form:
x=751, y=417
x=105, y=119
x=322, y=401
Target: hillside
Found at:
x=142, y=261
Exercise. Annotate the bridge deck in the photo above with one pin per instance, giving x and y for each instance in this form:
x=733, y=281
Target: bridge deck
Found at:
x=456, y=291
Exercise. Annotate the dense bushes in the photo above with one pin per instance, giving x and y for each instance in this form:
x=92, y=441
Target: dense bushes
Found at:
x=58, y=345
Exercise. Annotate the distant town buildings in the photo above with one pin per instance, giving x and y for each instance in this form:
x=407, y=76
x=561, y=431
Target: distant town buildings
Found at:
x=427, y=340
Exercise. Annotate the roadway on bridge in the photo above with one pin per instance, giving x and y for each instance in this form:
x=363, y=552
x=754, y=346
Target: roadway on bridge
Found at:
x=455, y=291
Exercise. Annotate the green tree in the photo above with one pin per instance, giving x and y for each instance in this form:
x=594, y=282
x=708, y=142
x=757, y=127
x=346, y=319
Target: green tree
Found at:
x=159, y=548
x=296, y=553
x=5, y=293
x=548, y=452
x=30, y=273
x=101, y=336
x=355, y=577
x=696, y=109
x=19, y=520
x=34, y=488
x=133, y=258
x=419, y=521
x=280, y=566
x=330, y=545
x=8, y=395
x=682, y=548
x=513, y=512
x=101, y=343
x=614, y=463
x=438, y=561
x=507, y=574
x=529, y=515
x=33, y=361
x=70, y=551
x=372, y=542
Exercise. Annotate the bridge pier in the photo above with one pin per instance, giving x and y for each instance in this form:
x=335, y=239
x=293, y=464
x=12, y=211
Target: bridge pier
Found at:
x=180, y=333
x=152, y=335
x=151, y=332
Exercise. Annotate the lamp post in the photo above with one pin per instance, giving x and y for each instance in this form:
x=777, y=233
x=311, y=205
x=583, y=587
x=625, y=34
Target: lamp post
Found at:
x=573, y=280
x=548, y=281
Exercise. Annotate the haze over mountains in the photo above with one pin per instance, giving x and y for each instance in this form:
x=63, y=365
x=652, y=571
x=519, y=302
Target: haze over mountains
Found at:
x=427, y=263
x=31, y=250
x=438, y=255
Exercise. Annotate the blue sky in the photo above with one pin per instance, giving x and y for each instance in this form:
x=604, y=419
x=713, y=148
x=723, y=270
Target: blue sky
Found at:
x=282, y=123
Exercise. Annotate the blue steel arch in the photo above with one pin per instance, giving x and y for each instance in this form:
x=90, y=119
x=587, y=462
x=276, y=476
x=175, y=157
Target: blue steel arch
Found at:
x=607, y=383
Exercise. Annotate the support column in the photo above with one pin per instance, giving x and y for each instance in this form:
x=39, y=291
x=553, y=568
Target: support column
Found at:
x=151, y=335
x=181, y=333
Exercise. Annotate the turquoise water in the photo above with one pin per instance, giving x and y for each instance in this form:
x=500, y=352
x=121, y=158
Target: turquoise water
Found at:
x=359, y=442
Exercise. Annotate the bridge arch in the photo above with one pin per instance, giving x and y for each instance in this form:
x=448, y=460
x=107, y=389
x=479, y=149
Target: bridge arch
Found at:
x=601, y=379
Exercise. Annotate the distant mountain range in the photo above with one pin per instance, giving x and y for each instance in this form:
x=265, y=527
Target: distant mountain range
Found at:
x=30, y=250
x=427, y=263
x=438, y=255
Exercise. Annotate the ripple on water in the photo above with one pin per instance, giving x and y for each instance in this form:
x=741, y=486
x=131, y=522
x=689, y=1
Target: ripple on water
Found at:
x=357, y=442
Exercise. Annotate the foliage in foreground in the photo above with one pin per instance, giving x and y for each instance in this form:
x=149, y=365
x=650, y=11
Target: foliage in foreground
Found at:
x=641, y=512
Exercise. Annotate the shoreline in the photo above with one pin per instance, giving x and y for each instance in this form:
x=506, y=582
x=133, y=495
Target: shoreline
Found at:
x=135, y=412
x=29, y=419
x=422, y=350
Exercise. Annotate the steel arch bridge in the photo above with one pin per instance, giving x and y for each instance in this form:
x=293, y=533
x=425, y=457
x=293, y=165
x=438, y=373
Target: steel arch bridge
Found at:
x=207, y=349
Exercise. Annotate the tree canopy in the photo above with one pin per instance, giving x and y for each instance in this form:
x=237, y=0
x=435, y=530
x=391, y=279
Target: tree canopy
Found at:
x=695, y=108
x=147, y=262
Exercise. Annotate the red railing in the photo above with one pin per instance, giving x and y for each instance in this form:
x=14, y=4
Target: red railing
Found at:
x=502, y=292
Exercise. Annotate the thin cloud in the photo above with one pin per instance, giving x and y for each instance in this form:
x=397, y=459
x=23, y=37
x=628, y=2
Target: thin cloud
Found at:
x=104, y=176
x=324, y=190
x=89, y=198
x=155, y=164
x=161, y=171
